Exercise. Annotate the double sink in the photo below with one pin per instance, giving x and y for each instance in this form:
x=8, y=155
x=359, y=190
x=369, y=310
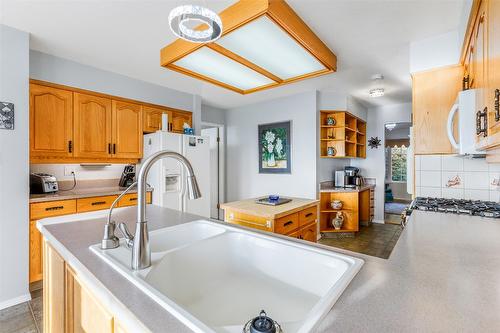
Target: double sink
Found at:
x=215, y=278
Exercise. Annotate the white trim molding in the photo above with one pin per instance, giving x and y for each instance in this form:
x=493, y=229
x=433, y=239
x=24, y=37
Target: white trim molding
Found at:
x=15, y=301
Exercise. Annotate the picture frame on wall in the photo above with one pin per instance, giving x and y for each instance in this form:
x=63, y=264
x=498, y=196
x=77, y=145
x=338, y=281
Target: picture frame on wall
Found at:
x=6, y=115
x=274, y=142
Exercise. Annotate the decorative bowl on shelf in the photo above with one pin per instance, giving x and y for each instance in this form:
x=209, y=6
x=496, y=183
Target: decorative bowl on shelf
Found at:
x=330, y=121
x=336, y=204
x=338, y=221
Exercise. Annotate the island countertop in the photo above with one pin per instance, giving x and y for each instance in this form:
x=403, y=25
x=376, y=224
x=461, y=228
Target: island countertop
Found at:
x=441, y=276
x=250, y=207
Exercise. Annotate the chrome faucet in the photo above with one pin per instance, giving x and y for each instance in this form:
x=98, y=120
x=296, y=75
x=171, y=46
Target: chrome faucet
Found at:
x=141, y=252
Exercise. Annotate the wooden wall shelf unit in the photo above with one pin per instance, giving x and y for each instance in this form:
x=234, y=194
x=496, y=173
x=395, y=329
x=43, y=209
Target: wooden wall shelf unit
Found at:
x=357, y=208
x=72, y=125
x=347, y=135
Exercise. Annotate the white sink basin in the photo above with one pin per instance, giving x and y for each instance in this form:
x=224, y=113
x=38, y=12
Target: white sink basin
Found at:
x=215, y=278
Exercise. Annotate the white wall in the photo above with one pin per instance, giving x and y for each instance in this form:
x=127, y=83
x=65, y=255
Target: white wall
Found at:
x=14, y=189
x=113, y=171
x=374, y=164
x=58, y=70
x=437, y=51
x=243, y=178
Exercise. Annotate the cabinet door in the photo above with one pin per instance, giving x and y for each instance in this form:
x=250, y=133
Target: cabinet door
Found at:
x=84, y=313
x=127, y=130
x=309, y=233
x=152, y=119
x=178, y=120
x=36, y=262
x=92, y=126
x=51, y=121
x=434, y=92
x=479, y=49
x=493, y=70
x=53, y=291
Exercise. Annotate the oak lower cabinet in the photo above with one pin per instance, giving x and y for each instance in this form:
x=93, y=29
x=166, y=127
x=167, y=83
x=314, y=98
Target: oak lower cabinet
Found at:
x=68, y=305
x=299, y=222
x=51, y=108
x=40, y=210
x=434, y=92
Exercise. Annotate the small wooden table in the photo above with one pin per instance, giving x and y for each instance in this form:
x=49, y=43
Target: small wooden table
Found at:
x=298, y=218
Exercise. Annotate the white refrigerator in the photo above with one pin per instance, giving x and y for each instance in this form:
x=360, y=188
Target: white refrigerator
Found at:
x=168, y=177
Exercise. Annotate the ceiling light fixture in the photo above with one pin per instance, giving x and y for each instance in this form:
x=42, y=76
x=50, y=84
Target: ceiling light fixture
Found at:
x=264, y=44
x=180, y=16
x=377, y=90
x=390, y=126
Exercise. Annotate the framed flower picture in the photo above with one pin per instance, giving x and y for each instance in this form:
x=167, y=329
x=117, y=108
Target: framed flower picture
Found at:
x=274, y=148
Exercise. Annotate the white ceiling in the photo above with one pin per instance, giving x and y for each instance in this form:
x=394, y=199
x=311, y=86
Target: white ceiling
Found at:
x=368, y=37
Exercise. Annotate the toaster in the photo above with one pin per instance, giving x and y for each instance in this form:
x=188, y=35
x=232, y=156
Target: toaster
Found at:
x=43, y=183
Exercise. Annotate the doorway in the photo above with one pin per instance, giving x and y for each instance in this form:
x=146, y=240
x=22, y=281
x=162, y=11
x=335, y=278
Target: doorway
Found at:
x=397, y=171
x=217, y=167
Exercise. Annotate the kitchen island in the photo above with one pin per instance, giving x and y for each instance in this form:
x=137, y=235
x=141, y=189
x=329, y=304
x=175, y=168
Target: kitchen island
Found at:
x=297, y=218
x=442, y=276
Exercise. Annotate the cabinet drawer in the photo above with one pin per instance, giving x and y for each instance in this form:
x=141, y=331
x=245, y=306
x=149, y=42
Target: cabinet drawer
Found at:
x=249, y=221
x=131, y=199
x=95, y=203
x=41, y=210
x=286, y=224
x=308, y=215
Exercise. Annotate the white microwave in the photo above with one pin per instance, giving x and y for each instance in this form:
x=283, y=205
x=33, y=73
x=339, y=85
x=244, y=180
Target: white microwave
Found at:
x=462, y=117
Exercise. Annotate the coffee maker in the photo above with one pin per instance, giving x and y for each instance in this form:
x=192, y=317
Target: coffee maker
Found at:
x=352, y=177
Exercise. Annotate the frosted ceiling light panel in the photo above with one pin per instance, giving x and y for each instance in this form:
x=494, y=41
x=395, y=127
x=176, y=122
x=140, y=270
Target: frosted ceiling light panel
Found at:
x=211, y=64
x=265, y=44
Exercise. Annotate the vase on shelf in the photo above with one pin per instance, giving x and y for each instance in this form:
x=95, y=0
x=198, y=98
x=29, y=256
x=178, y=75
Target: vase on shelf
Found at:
x=271, y=162
x=338, y=221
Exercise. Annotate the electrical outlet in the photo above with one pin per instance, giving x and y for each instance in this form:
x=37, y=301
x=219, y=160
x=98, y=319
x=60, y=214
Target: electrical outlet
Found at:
x=69, y=170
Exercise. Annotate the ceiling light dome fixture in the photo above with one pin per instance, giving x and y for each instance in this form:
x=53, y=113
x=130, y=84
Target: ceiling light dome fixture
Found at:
x=378, y=90
x=180, y=16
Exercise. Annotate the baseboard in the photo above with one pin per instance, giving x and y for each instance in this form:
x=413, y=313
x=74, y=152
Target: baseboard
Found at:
x=14, y=301
x=378, y=221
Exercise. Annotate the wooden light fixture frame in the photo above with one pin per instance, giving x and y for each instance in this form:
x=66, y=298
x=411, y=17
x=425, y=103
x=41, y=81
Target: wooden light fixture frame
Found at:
x=240, y=14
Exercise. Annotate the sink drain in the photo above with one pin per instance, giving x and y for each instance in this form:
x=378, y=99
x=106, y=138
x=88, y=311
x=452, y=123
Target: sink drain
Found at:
x=262, y=324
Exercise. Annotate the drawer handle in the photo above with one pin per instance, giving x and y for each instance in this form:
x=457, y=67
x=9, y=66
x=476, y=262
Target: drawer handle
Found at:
x=309, y=214
x=96, y=203
x=288, y=223
x=54, y=208
x=497, y=104
x=132, y=199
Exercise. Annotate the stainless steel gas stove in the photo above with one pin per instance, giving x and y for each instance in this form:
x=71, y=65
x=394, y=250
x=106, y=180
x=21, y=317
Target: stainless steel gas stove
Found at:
x=458, y=206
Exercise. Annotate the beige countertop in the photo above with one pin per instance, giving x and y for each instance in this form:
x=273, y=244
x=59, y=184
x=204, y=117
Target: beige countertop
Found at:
x=442, y=276
x=80, y=193
x=250, y=207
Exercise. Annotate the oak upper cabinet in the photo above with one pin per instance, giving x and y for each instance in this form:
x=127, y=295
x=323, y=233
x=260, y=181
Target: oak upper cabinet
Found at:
x=51, y=122
x=127, y=130
x=493, y=91
x=152, y=118
x=434, y=93
x=92, y=126
x=178, y=120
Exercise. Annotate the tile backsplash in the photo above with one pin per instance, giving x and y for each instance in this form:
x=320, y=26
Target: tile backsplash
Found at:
x=456, y=177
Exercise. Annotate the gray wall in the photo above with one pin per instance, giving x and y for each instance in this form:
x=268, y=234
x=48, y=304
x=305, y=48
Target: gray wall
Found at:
x=14, y=168
x=243, y=178
x=213, y=115
x=374, y=164
x=58, y=70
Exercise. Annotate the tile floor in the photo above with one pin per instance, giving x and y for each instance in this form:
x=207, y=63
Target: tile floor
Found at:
x=23, y=318
x=376, y=240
